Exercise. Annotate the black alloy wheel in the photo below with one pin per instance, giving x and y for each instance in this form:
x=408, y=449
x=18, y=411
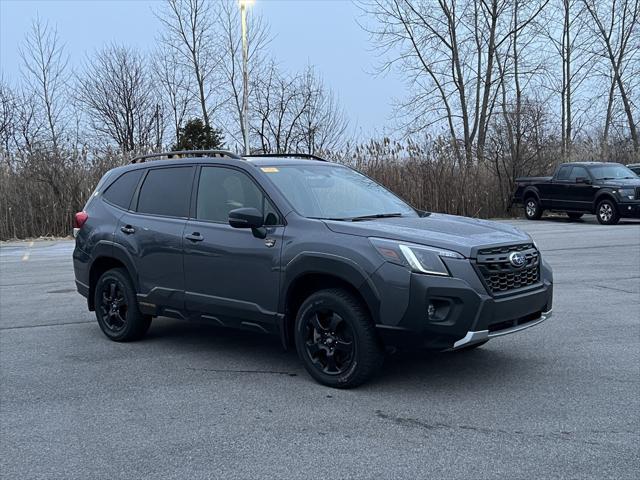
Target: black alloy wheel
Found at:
x=329, y=342
x=113, y=305
x=336, y=339
x=117, y=308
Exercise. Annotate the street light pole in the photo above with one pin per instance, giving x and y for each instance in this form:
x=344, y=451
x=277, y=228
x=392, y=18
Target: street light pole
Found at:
x=245, y=74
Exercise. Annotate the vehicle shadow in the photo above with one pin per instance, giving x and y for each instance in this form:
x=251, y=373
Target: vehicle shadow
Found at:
x=228, y=350
x=485, y=367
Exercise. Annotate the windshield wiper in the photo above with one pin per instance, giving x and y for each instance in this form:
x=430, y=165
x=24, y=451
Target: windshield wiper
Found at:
x=377, y=215
x=360, y=218
x=331, y=218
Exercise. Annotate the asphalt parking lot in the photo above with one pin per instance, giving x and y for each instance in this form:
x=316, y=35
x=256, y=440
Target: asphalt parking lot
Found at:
x=561, y=400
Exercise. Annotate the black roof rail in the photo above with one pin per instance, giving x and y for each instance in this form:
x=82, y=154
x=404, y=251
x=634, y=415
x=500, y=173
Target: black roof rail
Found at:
x=186, y=154
x=308, y=156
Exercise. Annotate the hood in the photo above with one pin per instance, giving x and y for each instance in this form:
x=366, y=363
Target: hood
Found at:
x=620, y=182
x=460, y=234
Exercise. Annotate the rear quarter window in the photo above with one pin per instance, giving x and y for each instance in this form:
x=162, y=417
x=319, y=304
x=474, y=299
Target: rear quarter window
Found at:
x=166, y=191
x=121, y=191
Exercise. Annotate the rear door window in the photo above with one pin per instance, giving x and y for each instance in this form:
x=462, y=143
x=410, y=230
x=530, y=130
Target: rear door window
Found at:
x=578, y=172
x=563, y=173
x=121, y=191
x=166, y=191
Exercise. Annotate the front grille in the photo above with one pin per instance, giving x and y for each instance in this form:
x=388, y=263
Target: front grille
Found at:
x=637, y=193
x=500, y=276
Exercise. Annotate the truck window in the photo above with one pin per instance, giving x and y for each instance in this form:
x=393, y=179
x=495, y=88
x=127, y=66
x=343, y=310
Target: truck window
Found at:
x=563, y=173
x=577, y=172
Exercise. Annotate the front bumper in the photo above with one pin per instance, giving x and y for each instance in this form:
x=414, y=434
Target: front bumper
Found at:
x=465, y=313
x=473, y=337
x=629, y=209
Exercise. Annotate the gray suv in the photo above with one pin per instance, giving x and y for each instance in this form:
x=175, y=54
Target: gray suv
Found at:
x=312, y=251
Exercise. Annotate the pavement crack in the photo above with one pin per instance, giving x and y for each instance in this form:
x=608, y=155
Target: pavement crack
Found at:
x=230, y=370
x=411, y=422
x=613, y=288
x=21, y=327
x=562, y=435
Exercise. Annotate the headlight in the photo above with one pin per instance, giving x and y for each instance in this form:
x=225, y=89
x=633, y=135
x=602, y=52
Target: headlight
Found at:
x=419, y=258
x=626, y=192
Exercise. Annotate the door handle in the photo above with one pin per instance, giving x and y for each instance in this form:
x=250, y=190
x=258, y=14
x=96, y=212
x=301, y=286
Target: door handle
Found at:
x=194, y=237
x=128, y=229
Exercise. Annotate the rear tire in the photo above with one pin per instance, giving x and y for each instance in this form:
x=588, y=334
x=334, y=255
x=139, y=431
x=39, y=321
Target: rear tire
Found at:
x=117, y=309
x=532, y=208
x=336, y=339
x=574, y=216
x=607, y=212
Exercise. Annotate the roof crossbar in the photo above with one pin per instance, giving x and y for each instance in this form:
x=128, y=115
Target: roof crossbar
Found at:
x=186, y=154
x=307, y=156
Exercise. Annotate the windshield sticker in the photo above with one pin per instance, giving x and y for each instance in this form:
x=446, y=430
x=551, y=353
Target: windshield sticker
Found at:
x=269, y=169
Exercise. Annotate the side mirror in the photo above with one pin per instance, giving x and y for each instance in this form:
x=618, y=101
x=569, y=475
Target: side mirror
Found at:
x=245, y=218
x=583, y=180
x=248, y=218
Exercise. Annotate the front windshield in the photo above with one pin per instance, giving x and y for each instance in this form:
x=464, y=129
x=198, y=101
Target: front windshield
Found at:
x=611, y=172
x=335, y=192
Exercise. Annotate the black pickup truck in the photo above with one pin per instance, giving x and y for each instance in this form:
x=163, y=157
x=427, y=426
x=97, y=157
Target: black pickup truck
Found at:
x=608, y=190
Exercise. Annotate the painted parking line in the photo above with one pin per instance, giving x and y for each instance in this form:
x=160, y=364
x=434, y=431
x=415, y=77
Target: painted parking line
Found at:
x=25, y=257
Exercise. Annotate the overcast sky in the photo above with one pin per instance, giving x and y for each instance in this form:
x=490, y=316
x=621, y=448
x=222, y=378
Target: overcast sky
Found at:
x=323, y=33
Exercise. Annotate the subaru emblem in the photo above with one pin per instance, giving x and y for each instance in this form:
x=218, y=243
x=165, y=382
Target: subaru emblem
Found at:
x=517, y=259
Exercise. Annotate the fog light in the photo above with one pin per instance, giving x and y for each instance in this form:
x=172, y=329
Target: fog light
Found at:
x=431, y=310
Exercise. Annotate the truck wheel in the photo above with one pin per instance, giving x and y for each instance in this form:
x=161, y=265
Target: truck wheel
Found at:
x=574, y=216
x=117, y=307
x=336, y=339
x=607, y=212
x=532, y=209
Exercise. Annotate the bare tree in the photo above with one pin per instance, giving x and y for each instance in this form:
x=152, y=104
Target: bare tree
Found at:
x=279, y=106
x=517, y=138
x=617, y=27
x=189, y=32
x=297, y=113
x=175, y=86
x=8, y=113
x=228, y=20
x=44, y=72
x=569, y=46
x=448, y=52
x=323, y=123
x=118, y=96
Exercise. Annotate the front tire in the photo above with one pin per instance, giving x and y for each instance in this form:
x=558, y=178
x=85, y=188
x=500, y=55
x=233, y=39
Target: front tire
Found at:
x=336, y=339
x=607, y=212
x=117, y=309
x=532, y=209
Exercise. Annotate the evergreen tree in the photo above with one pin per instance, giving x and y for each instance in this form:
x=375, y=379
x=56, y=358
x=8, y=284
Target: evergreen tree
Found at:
x=195, y=135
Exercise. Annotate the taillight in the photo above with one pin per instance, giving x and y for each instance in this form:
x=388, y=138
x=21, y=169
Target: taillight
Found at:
x=80, y=219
